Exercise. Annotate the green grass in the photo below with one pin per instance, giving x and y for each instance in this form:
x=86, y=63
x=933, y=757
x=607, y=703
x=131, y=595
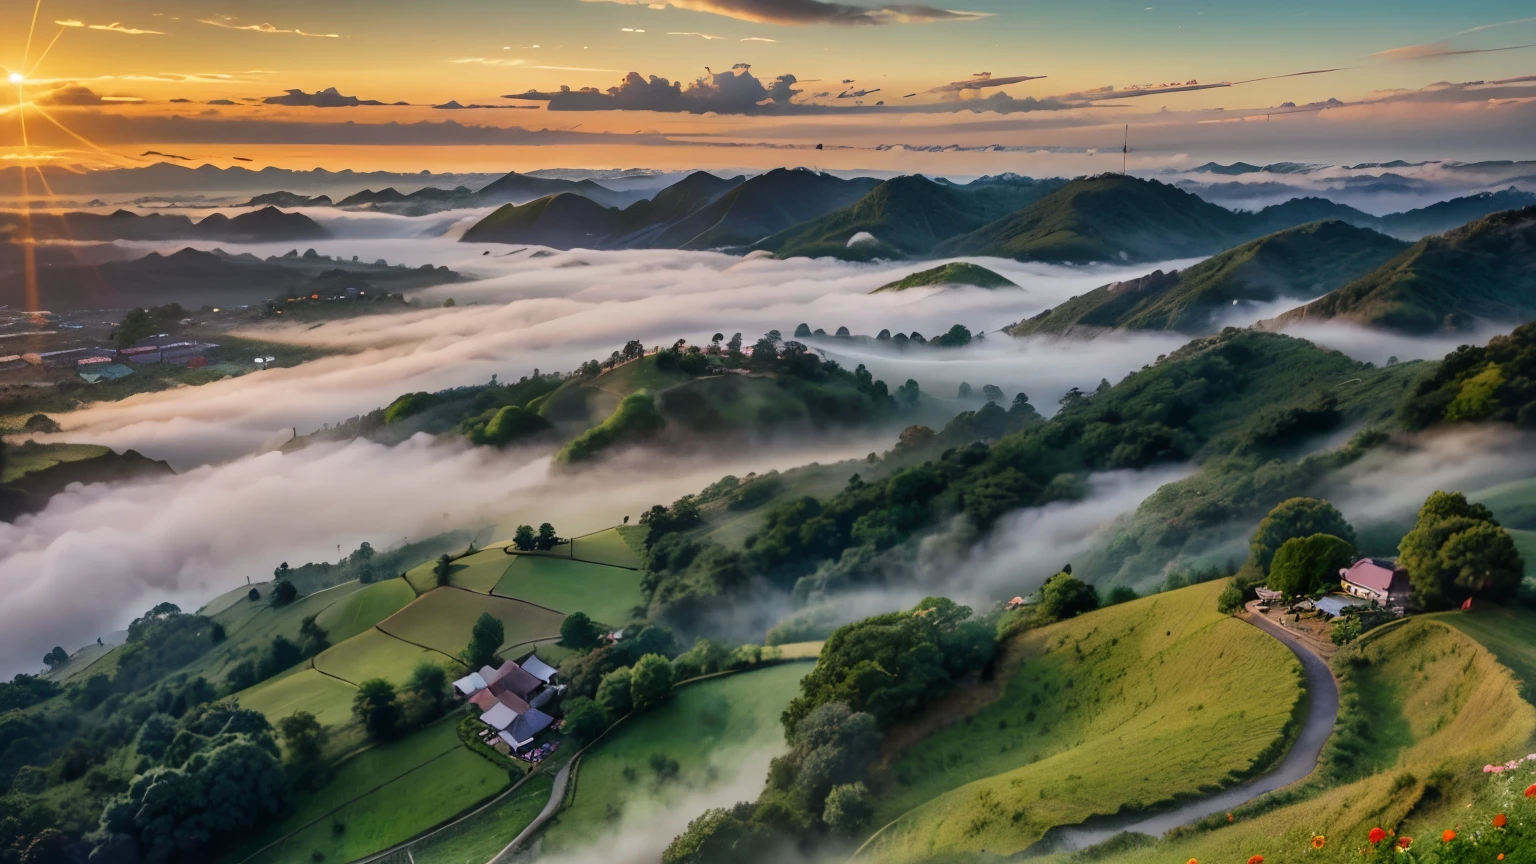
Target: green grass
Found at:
x=480, y=837
x=606, y=594
x=382, y=796
x=481, y=571
x=442, y=620
x=955, y=273
x=252, y=626
x=1512, y=503
x=1509, y=633
x=1525, y=541
x=1125, y=707
x=325, y=697
x=421, y=578
x=88, y=660
x=230, y=599
x=709, y=728
x=374, y=654
x=1463, y=709
x=361, y=610
x=641, y=374
x=30, y=457
x=607, y=547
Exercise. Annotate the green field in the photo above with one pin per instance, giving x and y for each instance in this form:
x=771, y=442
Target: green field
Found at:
x=609, y=547
x=478, y=838
x=1512, y=503
x=29, y=457
x=88, y=660
x=421, y=577
x=251, y=627
x=607, y=594
x=304, y=689
x=1126, y=707
x=710, y=728
x=1525, y=541
x=1507, y=631
x=1461, y=708
x=374, y=654
x=381, y=797
x=481, y=571
x=229, y=599
x=442, y=620
x=361, y=610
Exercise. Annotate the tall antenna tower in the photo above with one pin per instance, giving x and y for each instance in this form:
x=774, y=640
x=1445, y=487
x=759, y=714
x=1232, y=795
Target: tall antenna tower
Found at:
x=1125, y=149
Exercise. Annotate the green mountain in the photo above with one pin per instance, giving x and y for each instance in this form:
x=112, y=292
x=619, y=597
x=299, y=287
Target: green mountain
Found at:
x=957, y=273
x=905, y=216
x=762, y=207
x=1485, y=270
x=267, y=225
x=1301, y=263
x=1446, y=215
x=564, y=221
x=1108, y=218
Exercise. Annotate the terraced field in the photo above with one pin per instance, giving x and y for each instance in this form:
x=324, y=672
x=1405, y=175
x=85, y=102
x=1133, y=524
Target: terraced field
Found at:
x=443, y=619
x=375, y=654
x=358, y=612
x=302, y=689
x=605, y=593
x=1124, y=708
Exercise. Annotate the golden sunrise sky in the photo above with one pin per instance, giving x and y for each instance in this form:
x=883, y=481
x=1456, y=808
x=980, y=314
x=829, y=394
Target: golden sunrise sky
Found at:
x=1411, y=80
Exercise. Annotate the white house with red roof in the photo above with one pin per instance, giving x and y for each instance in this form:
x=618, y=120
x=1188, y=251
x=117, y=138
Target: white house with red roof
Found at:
x=1374, y=579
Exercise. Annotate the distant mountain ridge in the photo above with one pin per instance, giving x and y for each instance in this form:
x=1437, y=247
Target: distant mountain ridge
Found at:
x=1301, y=263
x=268, y=224
x=1484, y=271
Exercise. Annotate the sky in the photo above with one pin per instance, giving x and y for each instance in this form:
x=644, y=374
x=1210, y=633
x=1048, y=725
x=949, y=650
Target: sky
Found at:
x=757, y=83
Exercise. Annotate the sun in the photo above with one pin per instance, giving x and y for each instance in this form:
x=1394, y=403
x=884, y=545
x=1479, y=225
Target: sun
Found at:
x=17, y=78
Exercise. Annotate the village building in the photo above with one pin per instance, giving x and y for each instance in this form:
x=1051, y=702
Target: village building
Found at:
x=68, y=358
x=510, y=698
x=1380, y=581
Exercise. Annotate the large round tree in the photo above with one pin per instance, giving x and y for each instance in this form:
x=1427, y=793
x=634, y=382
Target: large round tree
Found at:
x=1292, y=518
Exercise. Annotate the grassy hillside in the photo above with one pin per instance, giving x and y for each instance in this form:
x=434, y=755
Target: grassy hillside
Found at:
x=1107, y=218
x=906, y=216
x=606, y=594
x=709, y=728
x=26, y=459
x=1512, y=503
x=478, y=838
x=1461, y=709
x=1301, y=263
x=1483, y=271
x=956, y=273
x=763, y=206
x=1122, y=708
x=442, y=620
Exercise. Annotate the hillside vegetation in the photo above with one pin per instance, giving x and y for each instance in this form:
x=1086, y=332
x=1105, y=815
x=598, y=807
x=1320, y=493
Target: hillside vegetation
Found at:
x=1485, y=271
x=956, y=273
x=1298, y=263
x=1124, y=708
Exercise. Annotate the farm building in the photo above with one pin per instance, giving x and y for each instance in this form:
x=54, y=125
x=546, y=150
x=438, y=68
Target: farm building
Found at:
x=509, y=697
x=1381, y=581
x=177, y=351
x=69, y=358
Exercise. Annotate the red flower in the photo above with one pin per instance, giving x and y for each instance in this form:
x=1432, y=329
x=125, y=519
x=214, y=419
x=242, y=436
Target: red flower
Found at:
x=1530, y=791
x=1404, y=842
x=1257, y=859
x=1377, y=835
x=1500, y=820
x=1447, y=835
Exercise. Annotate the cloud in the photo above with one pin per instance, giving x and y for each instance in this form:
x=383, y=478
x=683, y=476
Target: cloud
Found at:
x=1431, y=50
x=72, y=96
x=488, y=61
x=115, y=27
x=758, y=39
x=228, y=24
x=1482, y=27
x=707, y=37
x=330, y=97
x=735, y=91
x=981, y=82
x=71, y=22
x=811, y=11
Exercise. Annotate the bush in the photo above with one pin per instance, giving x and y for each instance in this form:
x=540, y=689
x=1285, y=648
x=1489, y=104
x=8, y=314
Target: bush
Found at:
x=1303, y=565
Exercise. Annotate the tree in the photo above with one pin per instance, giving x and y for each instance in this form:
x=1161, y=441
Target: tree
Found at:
x=281, y=653
x=1120, y=594
x=613, y=693
x=650, y=681
x=155, y=736
x=958, y=336
x=377, y=708
x=137, y=324
x=848, y=808
x=524, y=539
x=546, y=539
x=283, y=593
x=1302, y=565
x=908, y=393
x=1457, y=550
x=579, y=631
x=449, y=303
x=633, y=349
x=584, y=718
x=253, y=595
x=1231, y=599
x=50, y=846
x=312, y=637
x=484, y=640
x=56, y=657
x=992, y=393
x=442, y=571
x=1295, y=517
x=428, y=686
x=1063, y=596
x=304, y=739
x=965, y=391
x=803, y=331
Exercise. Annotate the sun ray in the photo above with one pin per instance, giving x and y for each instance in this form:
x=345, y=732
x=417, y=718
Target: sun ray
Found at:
x=73, y=134
x=27, y=54
x=44, y=56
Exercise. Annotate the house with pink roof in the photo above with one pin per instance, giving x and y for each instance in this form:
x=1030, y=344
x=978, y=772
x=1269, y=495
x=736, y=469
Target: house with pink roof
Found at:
x=1374, y=579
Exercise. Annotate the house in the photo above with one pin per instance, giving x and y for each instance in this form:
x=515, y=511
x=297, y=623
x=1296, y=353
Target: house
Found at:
x=499, y=717
x=524, y=729
x=69, y=358
x=469, y=685
x=512, y=678
x=539, y=669
x=1267, y=595
x=1381, y=581
x=485, y=700
x=514, y=702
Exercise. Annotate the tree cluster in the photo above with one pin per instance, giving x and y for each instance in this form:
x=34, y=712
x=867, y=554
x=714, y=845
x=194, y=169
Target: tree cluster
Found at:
x=1456, y=551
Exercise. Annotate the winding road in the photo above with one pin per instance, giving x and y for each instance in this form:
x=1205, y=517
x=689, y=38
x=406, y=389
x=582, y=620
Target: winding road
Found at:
x=556, y=797
x=1322, y=713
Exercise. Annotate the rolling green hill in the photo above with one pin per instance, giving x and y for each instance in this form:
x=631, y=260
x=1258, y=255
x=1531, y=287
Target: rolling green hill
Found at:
x=905, y=216
x=1301, y=263
x=1107, y=218
x=1483, y=271
x=957, y=273
x=1123, y=707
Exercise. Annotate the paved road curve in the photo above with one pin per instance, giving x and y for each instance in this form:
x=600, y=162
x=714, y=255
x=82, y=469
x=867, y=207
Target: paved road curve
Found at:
x=1322, y=712
x=556, y=797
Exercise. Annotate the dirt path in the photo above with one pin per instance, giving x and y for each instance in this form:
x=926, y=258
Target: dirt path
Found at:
x=556, y=798
x=1299, y=762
